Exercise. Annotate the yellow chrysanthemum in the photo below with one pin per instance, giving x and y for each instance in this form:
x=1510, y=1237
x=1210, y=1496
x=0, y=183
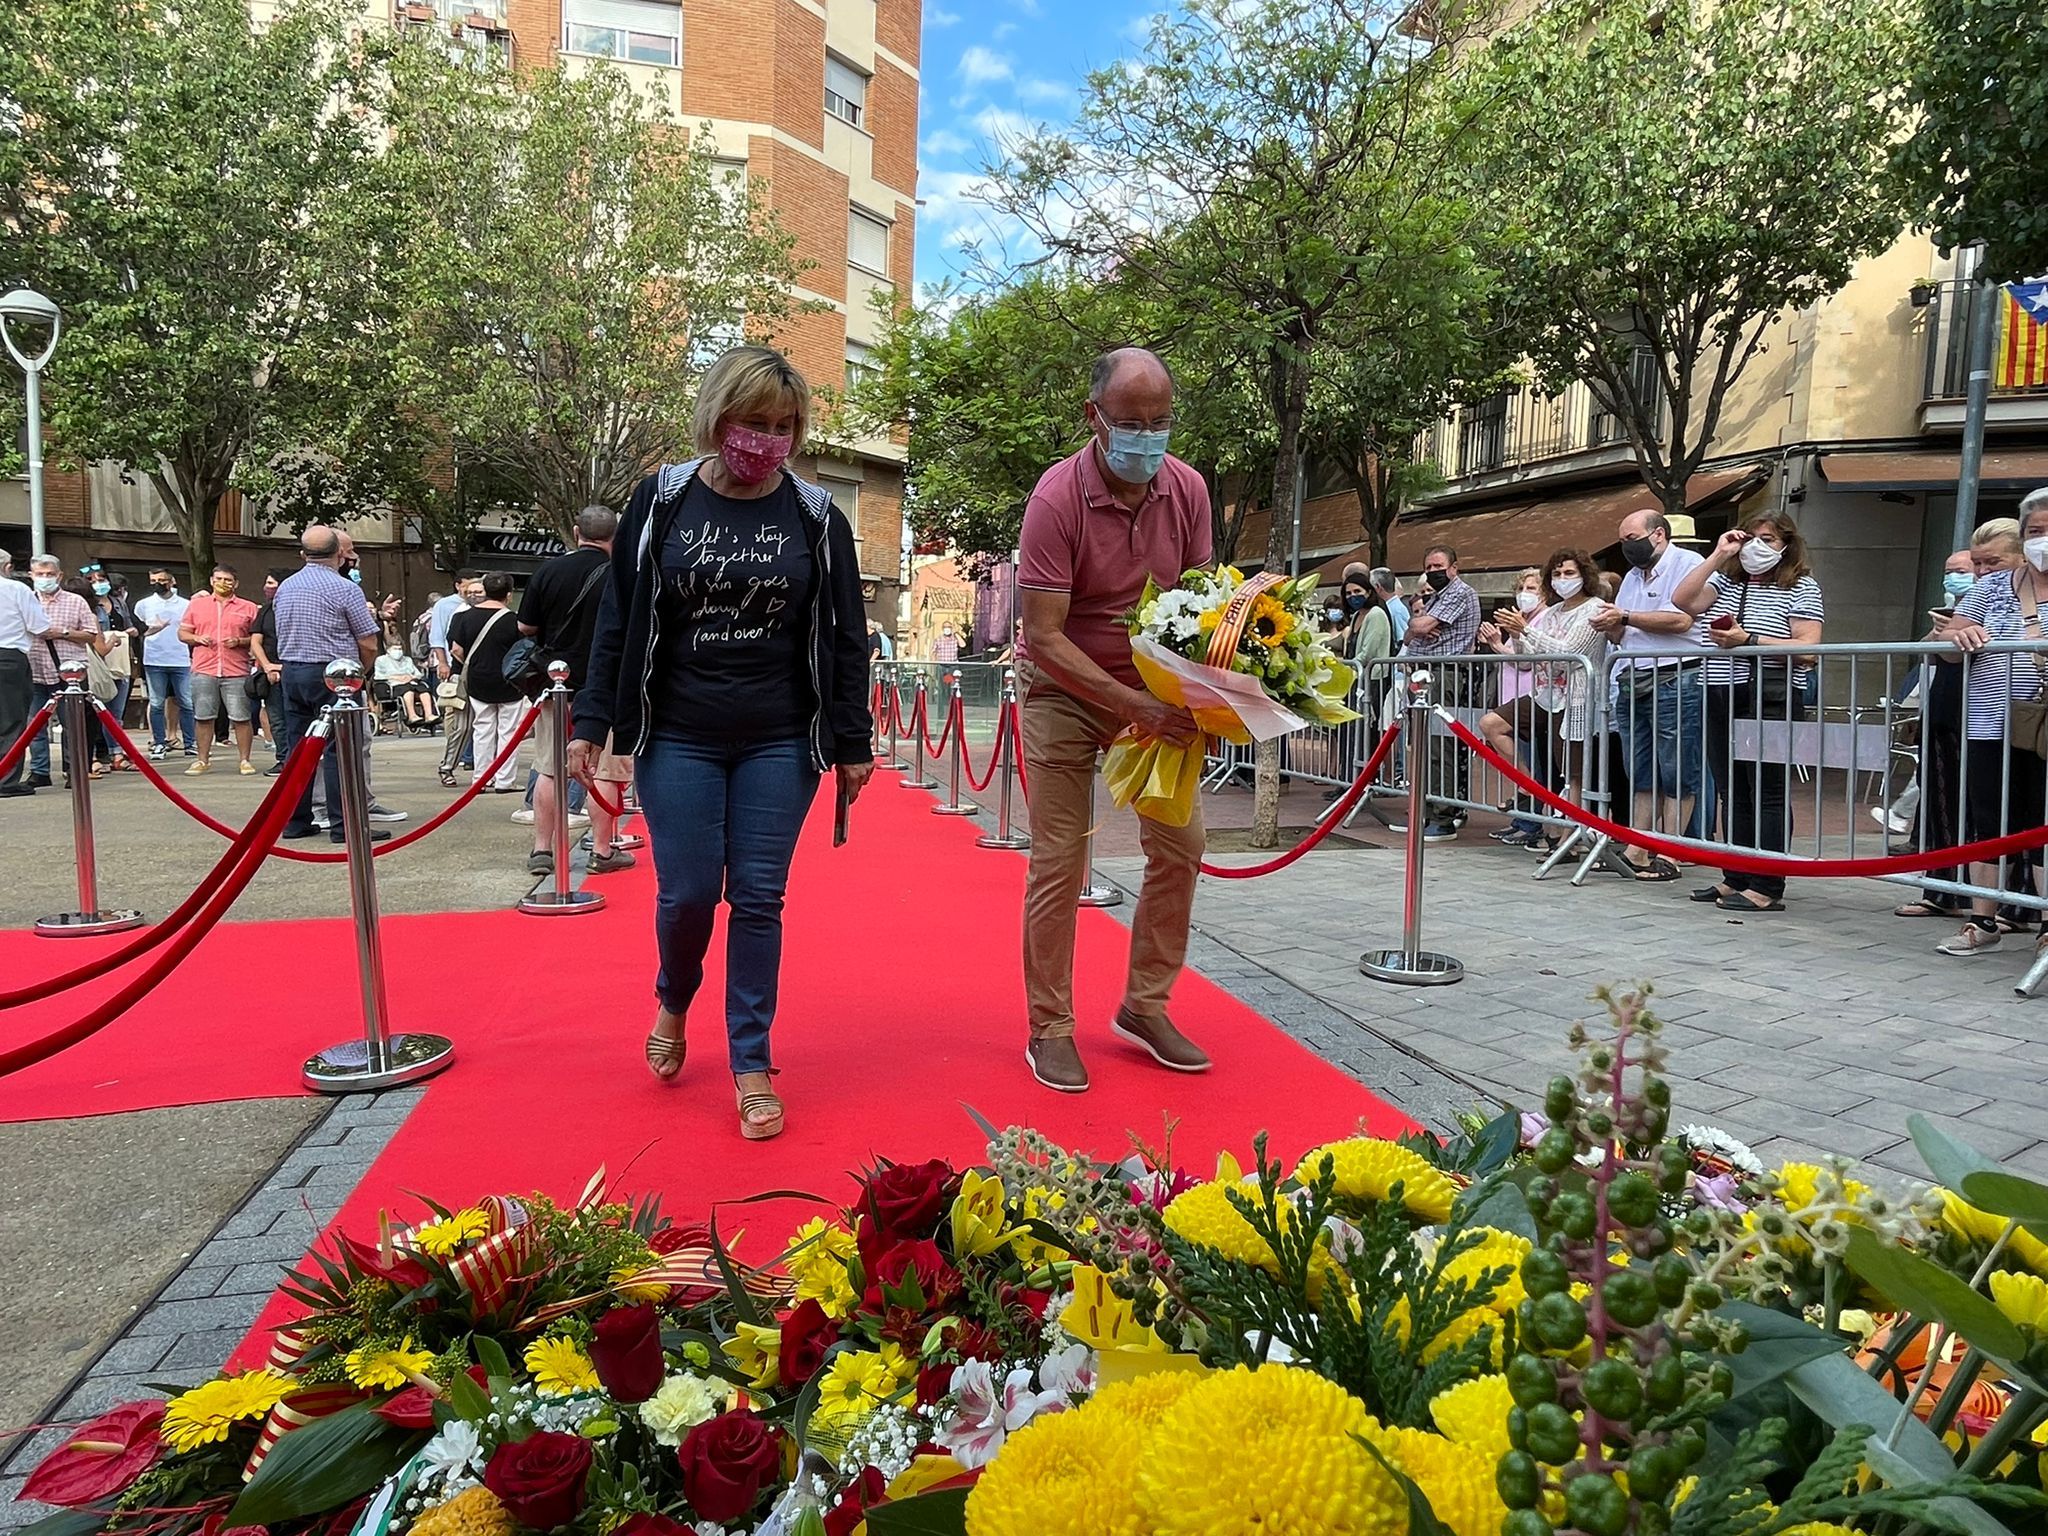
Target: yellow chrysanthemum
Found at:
x=2023, y=1299
x=1366, y=1168
x=377, y=1369
x=1819, y=1528
x=1063, y=1473
x=1205, y=1217
x=1146, y=1399
x=1984, y=1229
x=210, y=1412
x=757, y=1349
x=979, y=1221
x=818, y=1251
x=1270, y=1452
x=559, y=1367
x=1457, y=1480
x=1103, y=1320
x=1475, y=1414
x=439, y=1239
x=1465, y=1325
x=1496, y=1250
x=473, y=1512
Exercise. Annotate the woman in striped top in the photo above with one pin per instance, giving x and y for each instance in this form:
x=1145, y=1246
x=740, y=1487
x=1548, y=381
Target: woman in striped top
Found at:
x=2002, y=782
x=1755, y=589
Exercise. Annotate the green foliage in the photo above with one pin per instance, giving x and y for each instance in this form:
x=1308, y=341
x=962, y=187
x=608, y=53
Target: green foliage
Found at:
x=1978, y=153
x=1674, y=175
x=323, y=1465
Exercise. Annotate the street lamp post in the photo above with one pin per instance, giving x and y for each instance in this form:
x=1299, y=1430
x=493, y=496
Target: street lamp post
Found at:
x=28, y=305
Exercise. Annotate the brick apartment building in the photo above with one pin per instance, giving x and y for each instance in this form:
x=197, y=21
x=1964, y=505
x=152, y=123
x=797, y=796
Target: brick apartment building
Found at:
x=818, y=98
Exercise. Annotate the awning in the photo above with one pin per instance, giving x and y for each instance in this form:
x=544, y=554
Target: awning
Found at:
x=1509, y=538
x=1935, y=471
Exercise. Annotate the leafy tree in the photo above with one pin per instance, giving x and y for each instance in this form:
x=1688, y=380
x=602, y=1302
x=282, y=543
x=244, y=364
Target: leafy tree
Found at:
x=573, y=262
x=1979, y=150
x=1673, y=176
x=198, y=194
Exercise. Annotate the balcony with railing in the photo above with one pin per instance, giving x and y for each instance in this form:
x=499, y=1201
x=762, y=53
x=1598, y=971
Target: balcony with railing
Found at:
x=1523, y=434
x=2019, y=353
x=479, y=27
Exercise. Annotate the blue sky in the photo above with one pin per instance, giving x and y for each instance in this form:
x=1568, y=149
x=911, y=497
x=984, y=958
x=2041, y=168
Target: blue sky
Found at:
x=993, y=68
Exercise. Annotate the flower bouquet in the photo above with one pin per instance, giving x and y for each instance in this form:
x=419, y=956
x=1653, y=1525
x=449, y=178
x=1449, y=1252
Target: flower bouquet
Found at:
x=1243, y=657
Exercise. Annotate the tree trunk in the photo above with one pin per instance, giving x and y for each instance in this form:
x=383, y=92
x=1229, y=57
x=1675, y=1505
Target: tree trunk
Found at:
x=1291, y=400
x=190, y=499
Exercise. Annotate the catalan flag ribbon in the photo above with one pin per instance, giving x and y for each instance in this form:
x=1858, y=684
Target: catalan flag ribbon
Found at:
x=2023, y=337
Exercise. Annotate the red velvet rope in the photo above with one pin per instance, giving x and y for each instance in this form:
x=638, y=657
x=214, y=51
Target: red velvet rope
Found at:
x=938, y=750
x=269, y=822
x=14, y=754
x=1987, y=852
x=1332, y=818
x=995, y=759
x=298, y=855
x=616, y=812
x=289, y=785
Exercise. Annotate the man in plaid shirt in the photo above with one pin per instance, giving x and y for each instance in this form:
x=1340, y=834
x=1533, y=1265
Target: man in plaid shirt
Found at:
x=1446, y=623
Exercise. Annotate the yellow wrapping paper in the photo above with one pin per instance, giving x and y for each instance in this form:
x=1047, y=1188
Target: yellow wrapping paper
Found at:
x=1158, y=780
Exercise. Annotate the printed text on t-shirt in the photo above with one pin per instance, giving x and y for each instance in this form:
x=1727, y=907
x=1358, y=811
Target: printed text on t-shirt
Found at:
x=716, y=574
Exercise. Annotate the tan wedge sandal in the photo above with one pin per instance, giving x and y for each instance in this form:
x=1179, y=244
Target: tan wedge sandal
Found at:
x=760, y=1114
x=665, y=1053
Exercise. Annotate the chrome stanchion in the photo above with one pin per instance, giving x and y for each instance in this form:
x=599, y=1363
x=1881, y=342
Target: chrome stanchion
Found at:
x=954, y=805
x=1003, y=836
x=378, y=1060
x=74, y=714
x=892, y=701
x=1411, y=965
x=563, y=900
x=920, y=773
x=2037, y=973
x=1093, y=893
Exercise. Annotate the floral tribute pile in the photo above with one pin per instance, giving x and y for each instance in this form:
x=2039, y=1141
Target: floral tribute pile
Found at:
x=1574, y=1320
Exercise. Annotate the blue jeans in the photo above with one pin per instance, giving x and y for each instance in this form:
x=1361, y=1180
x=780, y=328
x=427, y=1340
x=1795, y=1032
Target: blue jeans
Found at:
x=1667, y=750
x=162, y=683
x=304, y=686
x=39, y=749
x=722, y=820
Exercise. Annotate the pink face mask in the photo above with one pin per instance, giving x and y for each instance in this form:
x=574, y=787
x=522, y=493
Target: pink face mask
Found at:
x=752, y=456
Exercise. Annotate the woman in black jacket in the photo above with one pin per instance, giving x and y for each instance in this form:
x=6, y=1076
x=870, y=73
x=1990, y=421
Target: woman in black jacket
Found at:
x=730, y=661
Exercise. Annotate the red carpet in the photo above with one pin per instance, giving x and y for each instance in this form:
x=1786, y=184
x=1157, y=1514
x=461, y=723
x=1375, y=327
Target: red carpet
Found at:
x=902, y=1000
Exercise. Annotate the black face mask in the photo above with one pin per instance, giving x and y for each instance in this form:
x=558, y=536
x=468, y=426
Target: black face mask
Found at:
x=347, y=565
x=1437, y=580
x=1356, y=602
x=1640, y=553
x=161, y=586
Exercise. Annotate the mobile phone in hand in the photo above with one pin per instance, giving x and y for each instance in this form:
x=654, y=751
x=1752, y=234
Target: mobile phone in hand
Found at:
x=839, y=818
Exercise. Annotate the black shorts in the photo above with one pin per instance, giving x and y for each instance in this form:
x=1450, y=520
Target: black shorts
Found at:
x=1992, y=805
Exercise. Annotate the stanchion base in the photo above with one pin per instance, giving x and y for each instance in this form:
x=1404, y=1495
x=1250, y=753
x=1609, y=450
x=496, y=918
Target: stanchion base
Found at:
x=955, y=810
x=1101, y=896
x=1016, y=841
x=914, y=783
x=561, y=903
x=83, y=925
x=1428, y=970
x=629, y=841
x=345, y=1068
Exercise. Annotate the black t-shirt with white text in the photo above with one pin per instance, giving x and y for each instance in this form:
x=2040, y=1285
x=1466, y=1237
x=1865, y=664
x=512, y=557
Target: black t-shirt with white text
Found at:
x=736, y=581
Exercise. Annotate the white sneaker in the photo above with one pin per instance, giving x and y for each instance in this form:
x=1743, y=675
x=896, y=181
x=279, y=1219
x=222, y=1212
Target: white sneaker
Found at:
x=320, y=820
x=524, y=815
x=1891, y=820
x=379, y=811
x=1971, y=941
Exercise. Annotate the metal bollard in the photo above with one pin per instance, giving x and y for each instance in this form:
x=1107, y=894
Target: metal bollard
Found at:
x=919, y=770
x=892, y=701
x=74, y=713
x=954, y=805
x=1003, y=836
x=1411, y=965
x=1092, y=894
x=379, y=1060
x=563, y=900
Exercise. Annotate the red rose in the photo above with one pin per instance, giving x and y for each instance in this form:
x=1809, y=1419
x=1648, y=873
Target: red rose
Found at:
x=936, y=1279
x=541, y=1480
x=726, y=1463
x=933, y=1383
x=1033, y=1302
x=868, y=1490
x=625, y=1346
x=101, y=1458
x=650, y=1525
x=413, y=1408
x=807, y=1333
x=904, y=1201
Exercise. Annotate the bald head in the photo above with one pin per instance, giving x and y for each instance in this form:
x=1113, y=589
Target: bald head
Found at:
x=1127, y=368
x=320, y=545
x=1130, y=412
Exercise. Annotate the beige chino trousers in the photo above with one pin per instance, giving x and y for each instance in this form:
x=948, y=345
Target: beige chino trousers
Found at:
x=1062, y=736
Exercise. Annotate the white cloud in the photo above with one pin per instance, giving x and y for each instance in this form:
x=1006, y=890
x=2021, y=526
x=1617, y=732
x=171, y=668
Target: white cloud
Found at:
x=936, y=18
x=1041, y=90
x=1003, y=29
x=1029, y=7
x=946, y=142
x=980, y=66
x=1139, y=28
x=1002, y=127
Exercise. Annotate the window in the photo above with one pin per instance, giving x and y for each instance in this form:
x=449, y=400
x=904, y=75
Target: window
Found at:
x=846, y=92
x=846, y=496
x=860, y=365
x=729, y=181
x=633, y=31
x=867, y=242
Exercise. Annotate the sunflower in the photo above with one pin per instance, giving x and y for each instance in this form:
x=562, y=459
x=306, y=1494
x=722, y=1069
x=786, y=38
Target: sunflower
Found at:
x=374, y=1367
x=1367, y=1168
x=1270, y=623
x=558, y=1367
x=209, y=1413
x=1064, y=1474
x=1273, y=1452
x=439, y=1239
x=472, y=1512
x=1457, y=1480
x=1475, y=1414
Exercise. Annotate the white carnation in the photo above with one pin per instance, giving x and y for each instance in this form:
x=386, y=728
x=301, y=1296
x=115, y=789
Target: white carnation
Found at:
x=682, y=1402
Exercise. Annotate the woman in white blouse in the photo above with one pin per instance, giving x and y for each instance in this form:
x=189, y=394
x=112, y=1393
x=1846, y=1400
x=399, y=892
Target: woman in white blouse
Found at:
x=1558, y=703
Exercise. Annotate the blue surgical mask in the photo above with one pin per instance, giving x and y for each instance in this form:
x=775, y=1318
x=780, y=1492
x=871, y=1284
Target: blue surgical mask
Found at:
x=1957, y=583
x=101, y=588
x=1135, y=457
x=355, y=576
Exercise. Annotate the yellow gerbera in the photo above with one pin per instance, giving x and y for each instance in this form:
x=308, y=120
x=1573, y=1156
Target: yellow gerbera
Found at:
x=210, y=1412
x=853, y=1386
x=472, y=1512
x=818, y=1251
x=623, y=1276
x=1271, y=1452
x=1457, y=1480
x=439, y=1239
x=558, y=1367
x=1103, y=1320
x=757, y=1349
x=1367, y=1168
x=374, y=1368
x=1475, y=1414
x=2023, y=1299
x=1064, y=1472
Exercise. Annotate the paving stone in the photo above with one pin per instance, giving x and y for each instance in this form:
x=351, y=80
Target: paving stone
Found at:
x=181, y=1317
x=1929, y=1096
x=1788, y=1086
x=192, y=1283
x=197, y=1354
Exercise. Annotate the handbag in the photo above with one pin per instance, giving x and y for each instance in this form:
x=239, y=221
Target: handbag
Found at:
x=1773, y=678
x=527, y=661
x=100, y=681
x=2027, y=719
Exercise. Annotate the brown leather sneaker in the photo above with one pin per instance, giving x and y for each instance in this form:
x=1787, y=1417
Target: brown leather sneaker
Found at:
x=1166, y=1045
x=1057, y=1064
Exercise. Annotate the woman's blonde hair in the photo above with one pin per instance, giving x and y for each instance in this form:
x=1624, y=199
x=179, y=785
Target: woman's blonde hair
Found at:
x=745, y=381
x=2000, y=530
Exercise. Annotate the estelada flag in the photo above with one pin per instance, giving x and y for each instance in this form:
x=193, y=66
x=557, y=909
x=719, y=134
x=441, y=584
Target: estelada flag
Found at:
x=2023, y=338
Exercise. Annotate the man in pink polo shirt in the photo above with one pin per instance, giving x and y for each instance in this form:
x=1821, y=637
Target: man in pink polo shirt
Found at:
x=1096, y=526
